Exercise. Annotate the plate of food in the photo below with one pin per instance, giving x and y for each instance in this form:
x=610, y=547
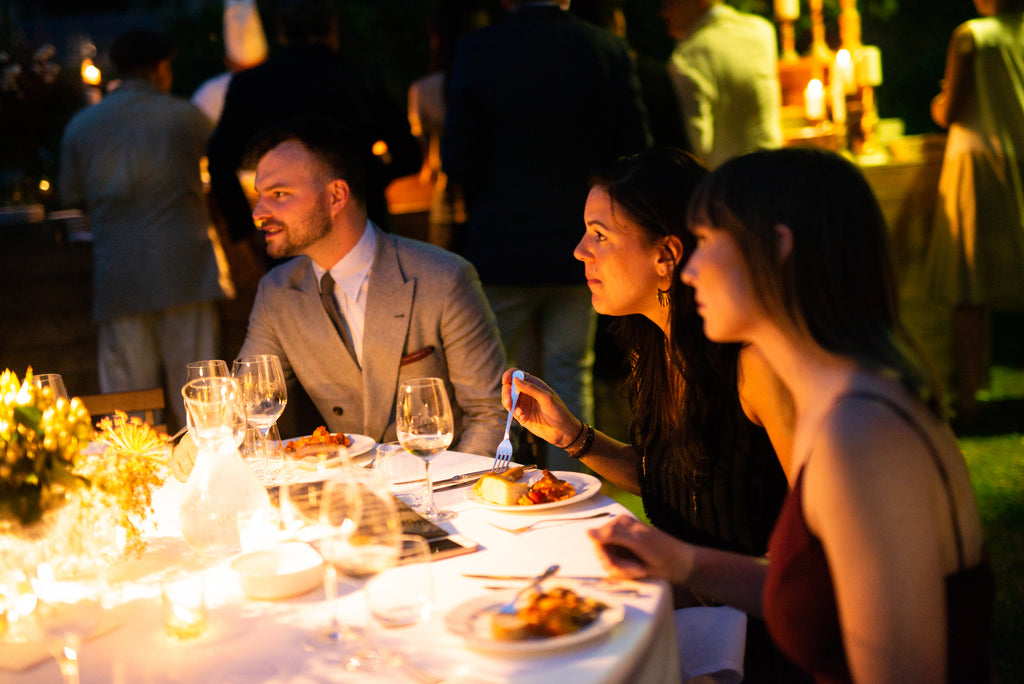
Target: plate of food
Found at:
x=546, y=621
x=519, y=491
x=358, y=448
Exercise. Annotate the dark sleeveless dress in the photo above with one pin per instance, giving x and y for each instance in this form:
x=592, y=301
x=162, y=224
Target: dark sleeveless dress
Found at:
x=800, y=606
x=734, y=509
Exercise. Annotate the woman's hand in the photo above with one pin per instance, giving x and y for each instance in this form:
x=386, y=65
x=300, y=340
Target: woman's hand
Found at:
x=634, y=550
x=540, y=410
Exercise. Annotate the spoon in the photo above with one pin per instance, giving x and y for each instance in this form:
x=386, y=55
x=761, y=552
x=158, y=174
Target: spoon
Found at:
x=510, y=607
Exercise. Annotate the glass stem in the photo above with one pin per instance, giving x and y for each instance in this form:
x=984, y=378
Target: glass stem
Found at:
x=429, y=510
x=67, y=659
x=264, y=432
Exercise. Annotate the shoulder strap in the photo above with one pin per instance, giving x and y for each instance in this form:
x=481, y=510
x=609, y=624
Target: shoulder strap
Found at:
x=943, y=473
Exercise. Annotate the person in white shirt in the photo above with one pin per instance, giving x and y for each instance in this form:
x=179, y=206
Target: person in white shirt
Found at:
x=725, y=75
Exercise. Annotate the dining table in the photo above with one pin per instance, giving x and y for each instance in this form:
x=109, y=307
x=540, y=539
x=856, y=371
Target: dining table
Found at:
x=247, y=640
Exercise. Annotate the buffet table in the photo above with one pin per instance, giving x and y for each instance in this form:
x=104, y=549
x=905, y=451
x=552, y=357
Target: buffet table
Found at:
x=262, y=641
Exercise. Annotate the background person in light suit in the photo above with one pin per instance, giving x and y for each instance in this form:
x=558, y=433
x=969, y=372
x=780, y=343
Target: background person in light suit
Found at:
x=409, y=309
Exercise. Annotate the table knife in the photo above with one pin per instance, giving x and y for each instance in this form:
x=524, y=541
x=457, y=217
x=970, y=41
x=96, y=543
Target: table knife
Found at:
x=457, y=479
x=578, y=578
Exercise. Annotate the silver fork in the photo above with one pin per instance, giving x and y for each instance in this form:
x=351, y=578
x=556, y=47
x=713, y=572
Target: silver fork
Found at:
x=503, y=456
x=527, y=528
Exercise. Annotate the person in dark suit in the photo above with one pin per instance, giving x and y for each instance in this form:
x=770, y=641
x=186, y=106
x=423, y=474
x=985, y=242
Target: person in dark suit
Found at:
x=537, y=102
x=308, y=76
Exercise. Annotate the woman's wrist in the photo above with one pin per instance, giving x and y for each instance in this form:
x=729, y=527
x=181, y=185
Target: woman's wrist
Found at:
x=581, y=445
x=577, y=438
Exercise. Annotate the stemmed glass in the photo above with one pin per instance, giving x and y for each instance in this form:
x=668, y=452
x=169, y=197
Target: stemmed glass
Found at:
x=52, y=380
x=425, y=428
x=67, y=610
x=264, y=393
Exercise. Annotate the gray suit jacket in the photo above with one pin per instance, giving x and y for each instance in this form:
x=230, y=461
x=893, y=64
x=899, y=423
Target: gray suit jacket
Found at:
x=426, y=316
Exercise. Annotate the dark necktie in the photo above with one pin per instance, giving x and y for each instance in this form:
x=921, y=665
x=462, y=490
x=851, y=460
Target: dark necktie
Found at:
x=331, y=307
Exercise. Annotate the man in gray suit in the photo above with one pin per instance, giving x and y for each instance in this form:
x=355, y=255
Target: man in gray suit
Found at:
x=405, y=309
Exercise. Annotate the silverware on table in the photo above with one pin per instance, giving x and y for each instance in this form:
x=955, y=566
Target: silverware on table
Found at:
x=503, y=456
x=576, y=578
x=527, y=528
x=464, y=478
x=510, y=607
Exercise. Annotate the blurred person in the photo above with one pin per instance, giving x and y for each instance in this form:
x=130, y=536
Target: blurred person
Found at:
x=975, y=260
x=132, y=161
x=724, y=71
x=308, y=75
x=538, y=101
x=706, y=464
x=406, y=309
x=245, y=46
x=449, y=20
x=877, y=569
x=656, y=88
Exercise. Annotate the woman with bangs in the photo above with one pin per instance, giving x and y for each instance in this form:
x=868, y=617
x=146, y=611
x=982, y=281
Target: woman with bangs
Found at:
x=879, y=541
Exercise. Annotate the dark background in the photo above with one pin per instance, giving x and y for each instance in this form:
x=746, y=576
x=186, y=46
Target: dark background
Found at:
x=912, y=35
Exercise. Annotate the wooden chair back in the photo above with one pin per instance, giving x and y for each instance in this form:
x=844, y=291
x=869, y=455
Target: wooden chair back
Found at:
x=147, y=402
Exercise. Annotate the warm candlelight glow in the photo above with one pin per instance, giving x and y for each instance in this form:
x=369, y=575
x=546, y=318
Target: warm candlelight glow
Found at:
x=814, y=100
x=787, y=10
x=44, y=185
x=90, y=73
x=184, y=607
x=843, y=72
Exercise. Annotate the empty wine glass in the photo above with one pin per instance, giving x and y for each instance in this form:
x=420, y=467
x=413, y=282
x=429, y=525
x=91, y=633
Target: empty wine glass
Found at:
x=54, y=381
x=211, y=368
x=338, y=510
x=263, y=391
x=425, y=428
x=67, y=610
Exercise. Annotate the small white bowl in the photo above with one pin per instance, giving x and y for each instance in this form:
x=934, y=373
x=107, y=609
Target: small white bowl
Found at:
x=279, y=571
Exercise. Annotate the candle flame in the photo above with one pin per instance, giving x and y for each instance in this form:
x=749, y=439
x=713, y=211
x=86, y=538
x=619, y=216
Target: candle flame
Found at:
x=814, y=87
x=843, y=57
x=90, y=73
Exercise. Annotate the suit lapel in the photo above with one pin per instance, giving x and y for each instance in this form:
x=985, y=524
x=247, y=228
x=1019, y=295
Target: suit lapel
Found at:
x=388, y=315
x=303, y=300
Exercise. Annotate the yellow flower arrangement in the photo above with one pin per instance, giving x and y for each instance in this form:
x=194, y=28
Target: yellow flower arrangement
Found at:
x=40, y=437
x=124, y=474
x=43, y=461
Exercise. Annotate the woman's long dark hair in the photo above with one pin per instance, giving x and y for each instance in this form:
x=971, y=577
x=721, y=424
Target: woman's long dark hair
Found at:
x=683, y=399
x=839, y=281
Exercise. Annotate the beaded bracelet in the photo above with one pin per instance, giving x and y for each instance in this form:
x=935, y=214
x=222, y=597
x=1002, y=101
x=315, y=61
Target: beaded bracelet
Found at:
x=583, y=426
x=588, y=442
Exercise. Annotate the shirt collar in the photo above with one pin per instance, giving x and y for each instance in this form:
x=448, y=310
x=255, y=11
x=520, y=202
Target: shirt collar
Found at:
x=353, y=268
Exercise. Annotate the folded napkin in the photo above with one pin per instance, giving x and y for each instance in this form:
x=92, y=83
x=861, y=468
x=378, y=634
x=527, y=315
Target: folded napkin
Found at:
x=711, y=642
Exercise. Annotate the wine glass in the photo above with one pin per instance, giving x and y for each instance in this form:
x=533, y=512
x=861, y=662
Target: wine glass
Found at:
x=337, y=510
x=211, y=368
x=67, y=610
x=425, y=428
x=264, y=393
x=54, y=381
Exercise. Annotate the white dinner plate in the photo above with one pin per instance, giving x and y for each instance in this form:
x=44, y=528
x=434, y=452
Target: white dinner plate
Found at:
x=361, y=447
x=471, y=621
x=586, y=486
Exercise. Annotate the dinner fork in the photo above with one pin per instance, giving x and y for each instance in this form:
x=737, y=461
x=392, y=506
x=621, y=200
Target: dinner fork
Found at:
x=503, y=456
x=527, y=528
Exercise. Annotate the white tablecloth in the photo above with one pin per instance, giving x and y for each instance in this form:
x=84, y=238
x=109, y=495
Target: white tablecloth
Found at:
x=262, y=641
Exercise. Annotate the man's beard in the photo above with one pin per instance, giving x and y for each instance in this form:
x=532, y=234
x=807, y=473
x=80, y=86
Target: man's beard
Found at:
x=298, y=239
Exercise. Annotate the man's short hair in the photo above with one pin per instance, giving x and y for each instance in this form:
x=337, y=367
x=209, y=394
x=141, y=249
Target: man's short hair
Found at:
x=140, y=50
x=333, y=144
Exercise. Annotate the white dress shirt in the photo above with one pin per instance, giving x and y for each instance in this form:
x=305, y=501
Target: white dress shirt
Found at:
x=351, y=279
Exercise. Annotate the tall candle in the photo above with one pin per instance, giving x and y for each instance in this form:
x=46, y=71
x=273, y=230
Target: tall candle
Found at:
x=814, y=100
x=842, y=72
x=838, y=91
x=787, y=10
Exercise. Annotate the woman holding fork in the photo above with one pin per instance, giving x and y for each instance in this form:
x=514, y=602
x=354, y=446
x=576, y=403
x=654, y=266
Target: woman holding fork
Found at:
x=709, y=422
